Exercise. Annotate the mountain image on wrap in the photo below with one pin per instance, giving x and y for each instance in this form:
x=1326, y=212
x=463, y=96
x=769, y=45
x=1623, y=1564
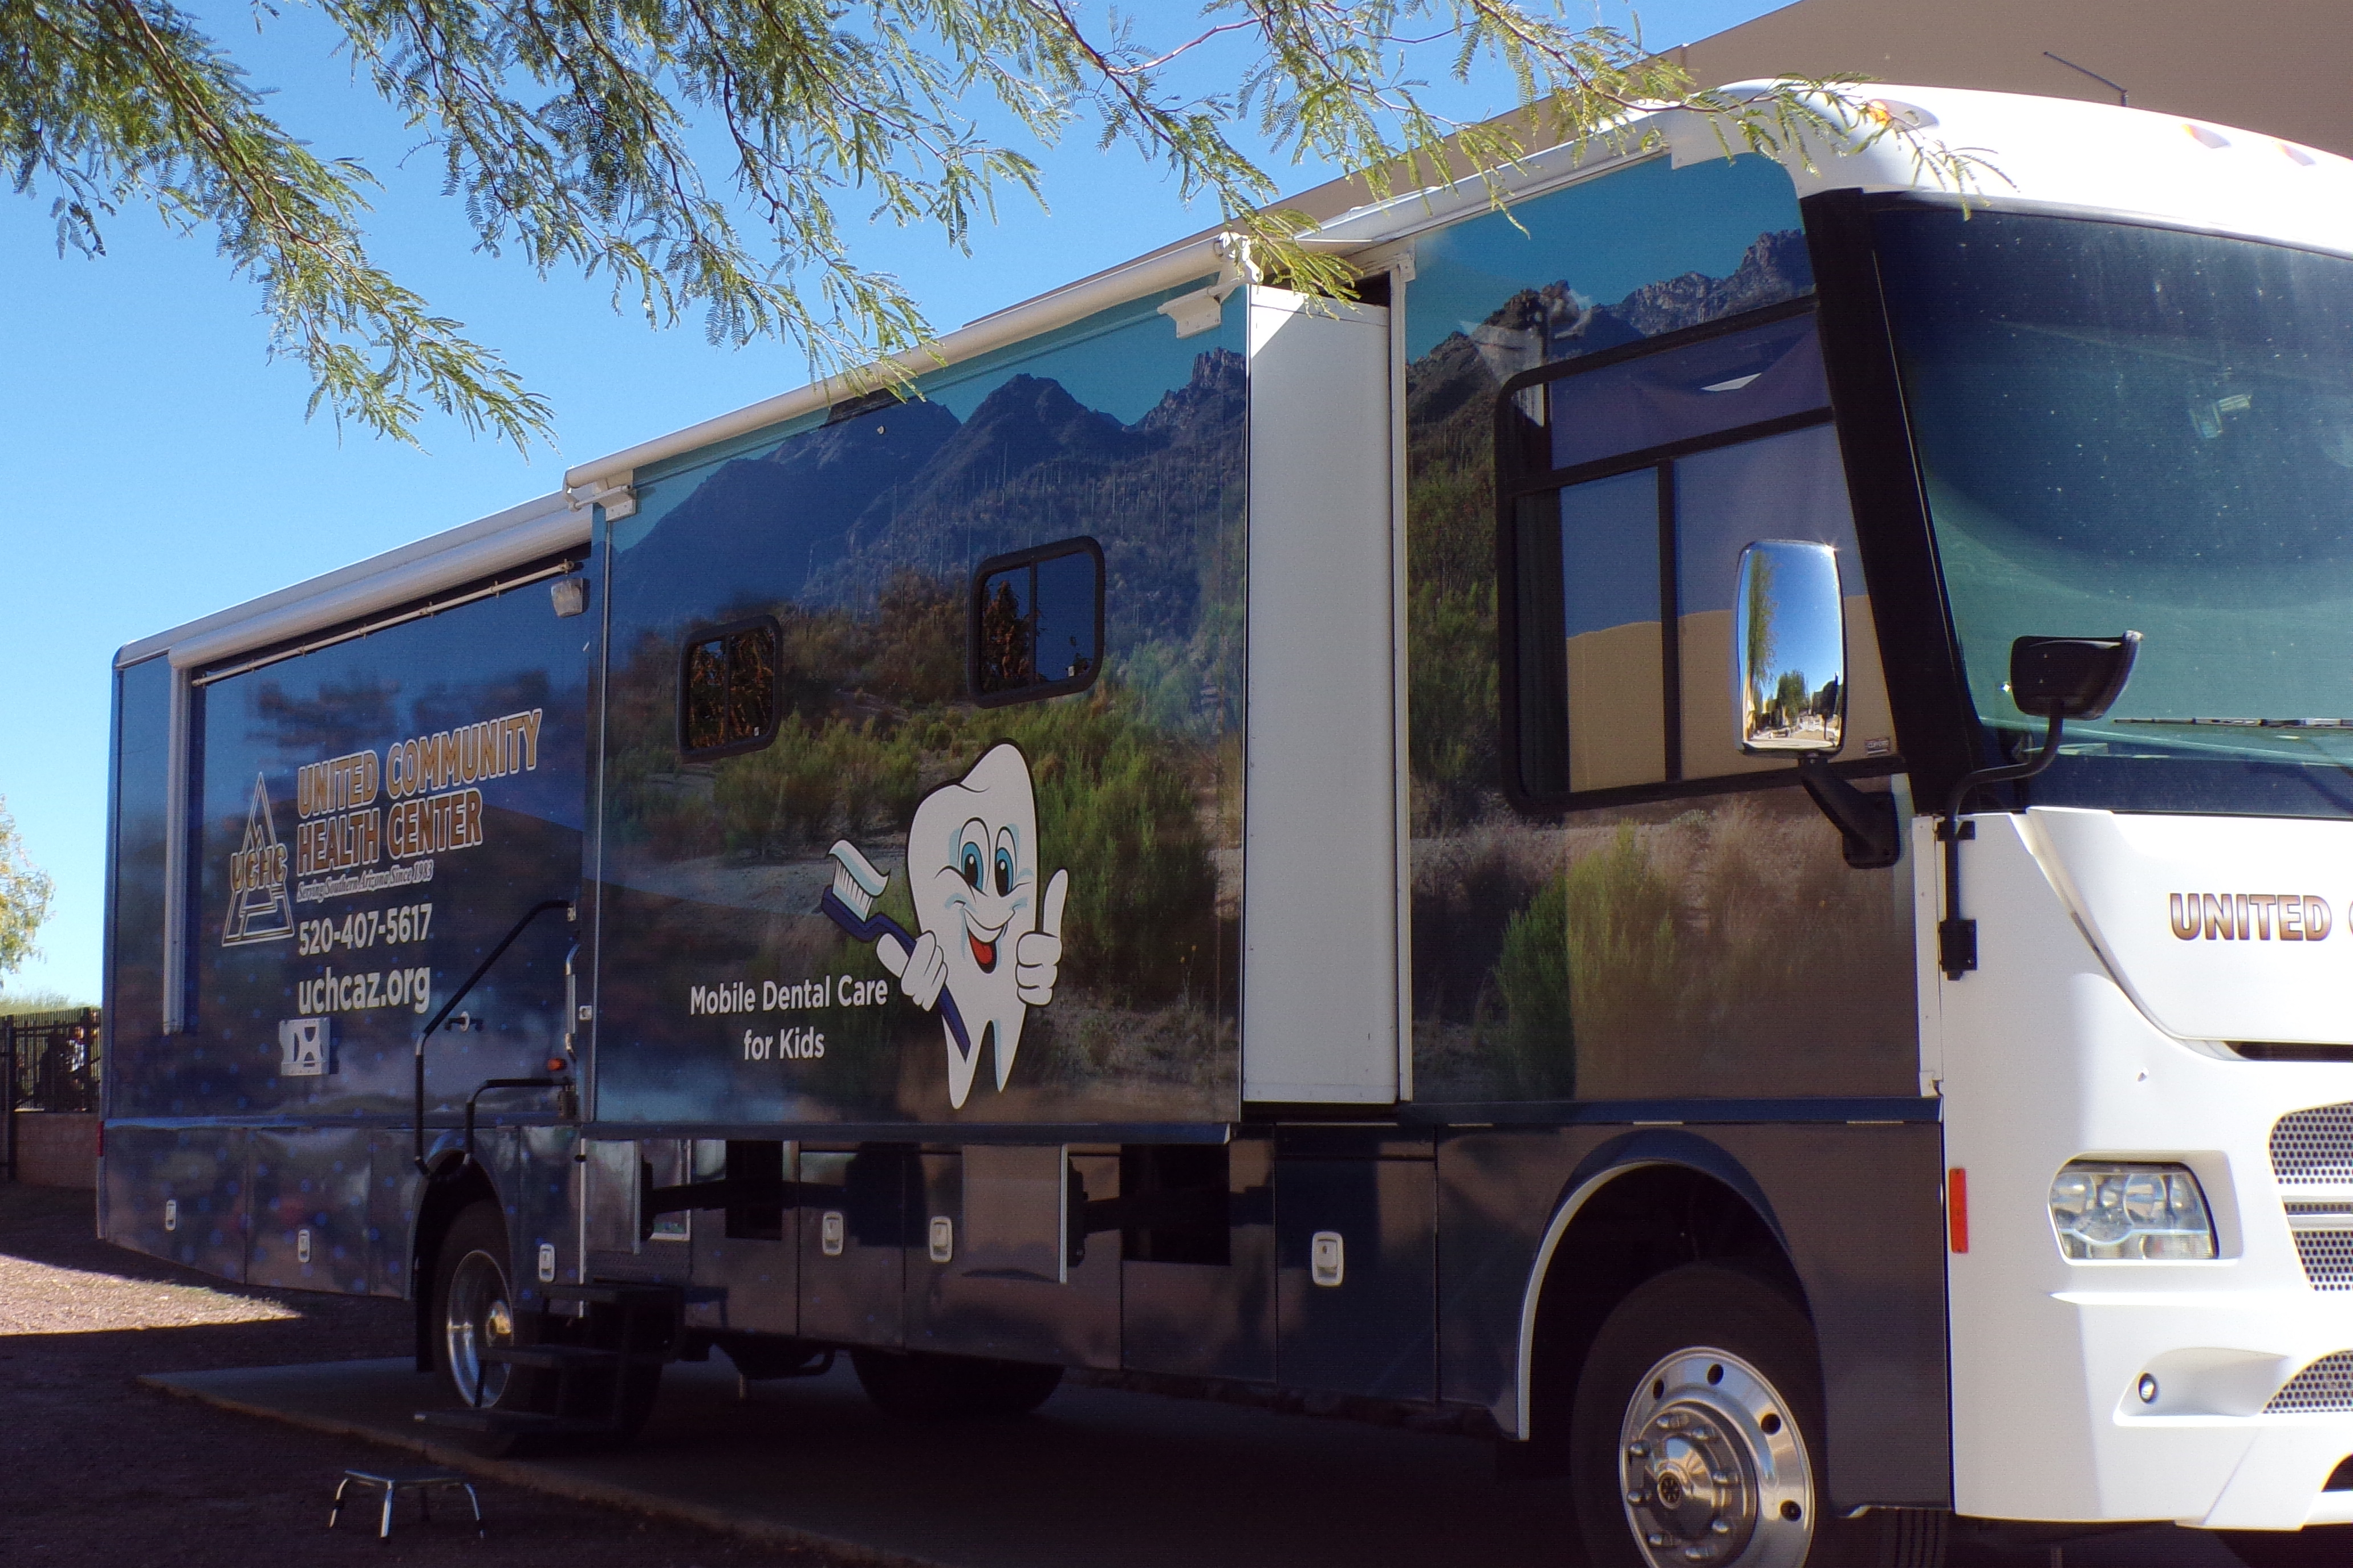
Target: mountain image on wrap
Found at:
x=945, y=493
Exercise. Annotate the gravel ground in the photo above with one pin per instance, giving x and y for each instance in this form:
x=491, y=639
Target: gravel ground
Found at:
x=96, y=1469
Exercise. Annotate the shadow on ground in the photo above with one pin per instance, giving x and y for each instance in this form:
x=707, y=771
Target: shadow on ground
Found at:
x=301, y=1385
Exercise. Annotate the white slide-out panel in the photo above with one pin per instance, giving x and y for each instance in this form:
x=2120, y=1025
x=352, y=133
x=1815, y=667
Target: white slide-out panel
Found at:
x=1319, y=864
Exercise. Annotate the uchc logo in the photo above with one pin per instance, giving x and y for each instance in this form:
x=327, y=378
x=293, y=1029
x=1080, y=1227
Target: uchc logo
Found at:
x=2249, y=916
x=258, y=906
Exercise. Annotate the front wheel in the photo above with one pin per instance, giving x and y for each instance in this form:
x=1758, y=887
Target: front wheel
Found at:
x=1695, y=1438
x=474, y=1311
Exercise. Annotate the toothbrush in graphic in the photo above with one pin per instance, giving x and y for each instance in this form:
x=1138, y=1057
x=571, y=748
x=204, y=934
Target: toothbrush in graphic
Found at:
x=850, y=903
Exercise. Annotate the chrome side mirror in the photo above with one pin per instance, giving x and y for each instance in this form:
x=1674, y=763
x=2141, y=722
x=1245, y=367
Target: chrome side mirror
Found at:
x=1788, y=686
x=1789, y=650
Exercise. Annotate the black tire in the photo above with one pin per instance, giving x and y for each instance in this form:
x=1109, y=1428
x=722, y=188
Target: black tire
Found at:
x=473, y=1305
x=2310, y=1547
x=1698, y=1425
x=915, y=1386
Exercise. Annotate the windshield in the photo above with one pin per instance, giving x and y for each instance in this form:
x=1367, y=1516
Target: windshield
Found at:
x=2134, y=428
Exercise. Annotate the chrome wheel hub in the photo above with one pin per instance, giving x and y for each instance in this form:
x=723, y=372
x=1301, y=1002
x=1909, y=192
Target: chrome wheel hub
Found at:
x=479, y=1319
x=1711, y=1469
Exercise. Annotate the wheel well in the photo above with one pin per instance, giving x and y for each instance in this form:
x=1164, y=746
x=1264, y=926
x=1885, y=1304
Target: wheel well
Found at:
x=1636, y=1227
x=445, y=1195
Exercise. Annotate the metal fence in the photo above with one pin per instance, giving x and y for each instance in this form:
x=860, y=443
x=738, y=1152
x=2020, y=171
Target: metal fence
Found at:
x=52, y=1059
x=48, y=1061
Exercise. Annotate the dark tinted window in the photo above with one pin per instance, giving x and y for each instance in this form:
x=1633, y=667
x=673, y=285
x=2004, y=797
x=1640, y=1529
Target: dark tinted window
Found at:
x=1635, y=487
x=143, y=777
x=727, y=690
x=1722, y=383
x=1036, y=622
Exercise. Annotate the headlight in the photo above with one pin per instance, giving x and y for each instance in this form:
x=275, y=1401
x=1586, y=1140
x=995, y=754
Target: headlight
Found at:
x=2103, y=1210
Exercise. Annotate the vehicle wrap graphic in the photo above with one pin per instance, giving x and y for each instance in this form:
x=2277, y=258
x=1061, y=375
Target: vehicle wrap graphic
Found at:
x=990, y=948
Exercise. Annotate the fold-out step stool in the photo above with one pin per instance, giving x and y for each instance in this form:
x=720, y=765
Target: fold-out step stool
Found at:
x=392, y=1483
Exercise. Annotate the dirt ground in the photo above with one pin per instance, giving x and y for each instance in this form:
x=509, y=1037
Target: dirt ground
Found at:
x=95, y=1469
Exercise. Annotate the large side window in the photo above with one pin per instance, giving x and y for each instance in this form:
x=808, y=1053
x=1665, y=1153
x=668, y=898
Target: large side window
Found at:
x=1036, y=622
x=727, y=688
x=1630, y=482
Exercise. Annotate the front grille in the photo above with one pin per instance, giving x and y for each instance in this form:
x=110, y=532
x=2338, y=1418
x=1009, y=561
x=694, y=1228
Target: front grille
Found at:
x=2325, y=1385
x=2290, y=1051
x=2314, y=1147
x=2327, y=1258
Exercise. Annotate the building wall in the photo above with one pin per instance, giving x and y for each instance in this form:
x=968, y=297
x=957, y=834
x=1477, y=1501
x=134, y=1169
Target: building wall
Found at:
x=2274, y=65
x=57, y=1149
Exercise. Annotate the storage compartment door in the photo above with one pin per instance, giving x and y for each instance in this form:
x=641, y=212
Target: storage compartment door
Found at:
x=1357, y=1284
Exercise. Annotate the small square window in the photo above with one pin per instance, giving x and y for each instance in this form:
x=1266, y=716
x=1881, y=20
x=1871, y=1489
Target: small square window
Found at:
x=1036, y=622
x=727, y=690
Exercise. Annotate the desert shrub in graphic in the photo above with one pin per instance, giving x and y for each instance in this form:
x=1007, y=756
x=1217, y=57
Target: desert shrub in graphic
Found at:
x=1538, y=1044
x=1590, y=966
x=1122, y=801
x=1451, y=679
x=1624, y=948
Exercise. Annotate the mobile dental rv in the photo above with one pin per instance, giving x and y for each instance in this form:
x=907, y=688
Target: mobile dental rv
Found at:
x=1714, y=833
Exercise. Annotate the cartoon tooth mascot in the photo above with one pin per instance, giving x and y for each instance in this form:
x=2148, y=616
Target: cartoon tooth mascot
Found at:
x=990, y=948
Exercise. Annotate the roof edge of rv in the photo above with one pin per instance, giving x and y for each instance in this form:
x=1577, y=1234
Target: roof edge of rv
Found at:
x=1161, y=269
x=540, y=527
x=1882, y=163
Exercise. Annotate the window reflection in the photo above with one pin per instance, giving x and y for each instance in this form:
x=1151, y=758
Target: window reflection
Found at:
x=727, y=690
x=1037, y=623
x=1067, y=603
x=1725, y=383
x=1007, y=633
x=1791, y=486
x=1610, y=629
x=1705, y=462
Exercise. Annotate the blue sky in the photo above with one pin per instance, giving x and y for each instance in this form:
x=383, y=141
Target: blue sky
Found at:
x=162, y=468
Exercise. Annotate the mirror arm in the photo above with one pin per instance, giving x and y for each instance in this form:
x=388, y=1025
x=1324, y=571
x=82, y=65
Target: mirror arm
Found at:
x=1866, y=821
x=1957, y=938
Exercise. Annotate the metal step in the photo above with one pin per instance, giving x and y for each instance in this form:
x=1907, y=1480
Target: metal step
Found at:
x=614, y=1294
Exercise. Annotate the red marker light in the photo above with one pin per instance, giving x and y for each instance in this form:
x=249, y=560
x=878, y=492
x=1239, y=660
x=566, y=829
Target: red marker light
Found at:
x=1957, y=1207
